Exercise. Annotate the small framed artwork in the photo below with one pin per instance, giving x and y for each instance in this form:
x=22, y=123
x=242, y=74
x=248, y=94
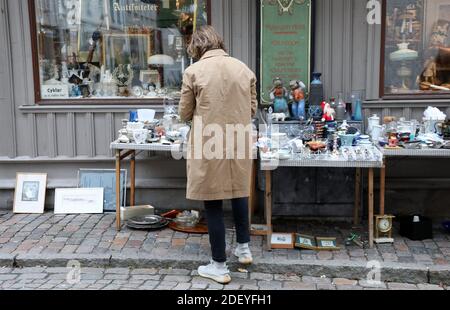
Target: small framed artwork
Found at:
x=29, y=195
x=282, y=241
x=106, y=179
x=305, y=242
x=329, y=244
x=79, y=201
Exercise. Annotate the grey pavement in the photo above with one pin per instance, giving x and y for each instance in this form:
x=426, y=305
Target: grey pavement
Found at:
x=47, y=278
x=52, y=241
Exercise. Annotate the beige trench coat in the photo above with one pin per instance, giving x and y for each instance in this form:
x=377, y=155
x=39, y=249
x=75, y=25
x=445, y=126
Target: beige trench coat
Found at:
x=218, y=90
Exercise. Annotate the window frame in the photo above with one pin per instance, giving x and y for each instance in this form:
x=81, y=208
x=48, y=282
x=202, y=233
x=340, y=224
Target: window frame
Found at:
x=382, y=94
x=77, y=102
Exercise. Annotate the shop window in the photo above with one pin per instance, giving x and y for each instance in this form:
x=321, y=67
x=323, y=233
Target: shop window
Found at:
x=112, y=49
x=416, y=48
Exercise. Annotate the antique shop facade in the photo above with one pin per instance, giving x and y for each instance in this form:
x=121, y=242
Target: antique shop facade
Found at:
x=49, y=127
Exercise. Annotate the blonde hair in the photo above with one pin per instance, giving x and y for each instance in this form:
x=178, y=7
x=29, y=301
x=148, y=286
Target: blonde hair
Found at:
x=204, y=39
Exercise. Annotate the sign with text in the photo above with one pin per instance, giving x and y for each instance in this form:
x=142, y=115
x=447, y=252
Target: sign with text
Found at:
x=54, y=91
x=285, y=43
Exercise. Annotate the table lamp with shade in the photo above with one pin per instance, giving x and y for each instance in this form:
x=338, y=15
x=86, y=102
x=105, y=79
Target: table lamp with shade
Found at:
x=159, y=61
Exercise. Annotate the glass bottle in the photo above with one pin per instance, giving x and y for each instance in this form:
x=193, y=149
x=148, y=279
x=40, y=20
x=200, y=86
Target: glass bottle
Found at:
x=316, y=92
x=356, y=106
x=340, y=108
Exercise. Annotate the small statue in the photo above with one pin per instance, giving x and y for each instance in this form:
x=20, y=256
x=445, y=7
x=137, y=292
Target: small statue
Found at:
x=280, y=117
x=430, y=71
x=298, y=99
x=123, y=75
x=278, y=95
x=328, y=112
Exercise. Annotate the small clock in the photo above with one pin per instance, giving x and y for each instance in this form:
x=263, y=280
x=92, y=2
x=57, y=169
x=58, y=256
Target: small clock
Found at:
x=383, y=228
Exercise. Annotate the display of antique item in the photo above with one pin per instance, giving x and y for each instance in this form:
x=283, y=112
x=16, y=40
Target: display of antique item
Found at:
x=340, y=108
x=383, y=228
x=187, y=219
x=297, y=97
x=374, y=120
x=393, y=140
x=403, y=55
x=316, y=97
x=316, y=145
x=356, y=106
x=328, y=112
x=347, y=139
x=140, y=136
x=279, y=95
x=279, y=117
x=123, y=75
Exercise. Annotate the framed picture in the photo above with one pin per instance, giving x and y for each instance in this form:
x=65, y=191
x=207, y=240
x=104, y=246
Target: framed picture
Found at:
x=79, y=201
x=327, y=244
x=126, y=49
x=92, y=18
x=282, y=241
x=106, y=179
x=305, y=242
x=29, y=195
x=151, y=77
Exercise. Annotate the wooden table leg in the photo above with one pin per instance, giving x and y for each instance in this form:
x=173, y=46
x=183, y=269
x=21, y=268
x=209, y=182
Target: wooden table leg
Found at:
x=382, y=189
x=133, y=180
x=118, y=204
x=371, y=203
x=268, y=208
x=356, y=219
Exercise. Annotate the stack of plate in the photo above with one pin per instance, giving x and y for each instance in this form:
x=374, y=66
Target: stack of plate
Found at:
x=148, y=222
x=364, y=140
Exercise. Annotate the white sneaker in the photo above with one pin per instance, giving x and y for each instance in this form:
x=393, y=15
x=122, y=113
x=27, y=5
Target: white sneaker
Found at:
x=215, y=271
x=244, y=254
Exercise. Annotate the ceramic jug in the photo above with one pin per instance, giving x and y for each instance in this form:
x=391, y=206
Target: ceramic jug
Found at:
x=374, y=120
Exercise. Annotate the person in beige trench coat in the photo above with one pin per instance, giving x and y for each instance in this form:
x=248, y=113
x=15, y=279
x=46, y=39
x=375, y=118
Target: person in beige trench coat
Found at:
x=219, y=97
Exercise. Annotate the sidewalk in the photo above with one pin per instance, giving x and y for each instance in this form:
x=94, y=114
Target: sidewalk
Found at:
x=52, y=241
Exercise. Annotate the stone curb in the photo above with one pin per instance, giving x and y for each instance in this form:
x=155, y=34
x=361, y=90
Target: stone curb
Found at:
x=6, y=260
x=390, y=272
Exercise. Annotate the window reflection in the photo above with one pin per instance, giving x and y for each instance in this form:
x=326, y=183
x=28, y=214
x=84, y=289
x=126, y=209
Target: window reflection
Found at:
x=417, y=47
x=101, y=49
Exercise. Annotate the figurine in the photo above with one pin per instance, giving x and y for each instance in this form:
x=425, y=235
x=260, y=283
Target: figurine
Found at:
x=278, y=95
x=123, y=75
x=430, y=71
x=298, y=99
x=280, y=117
x=328, y=112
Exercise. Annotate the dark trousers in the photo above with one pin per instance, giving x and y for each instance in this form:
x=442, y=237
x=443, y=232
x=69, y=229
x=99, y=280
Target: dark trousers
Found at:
x=216, y=225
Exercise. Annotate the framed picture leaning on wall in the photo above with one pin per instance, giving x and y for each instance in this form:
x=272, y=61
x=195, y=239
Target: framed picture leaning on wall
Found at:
x=29, y=195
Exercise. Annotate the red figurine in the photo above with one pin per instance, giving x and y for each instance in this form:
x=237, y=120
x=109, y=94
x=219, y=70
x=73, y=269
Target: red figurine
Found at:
x=328, y=112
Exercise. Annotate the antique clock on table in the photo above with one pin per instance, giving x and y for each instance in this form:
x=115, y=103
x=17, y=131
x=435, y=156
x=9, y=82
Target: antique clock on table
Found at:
x=383, y=228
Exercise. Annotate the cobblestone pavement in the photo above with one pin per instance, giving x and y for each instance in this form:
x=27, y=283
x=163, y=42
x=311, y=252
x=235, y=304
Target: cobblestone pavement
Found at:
x=47, y=237
x=96, y=234
x=179, y=279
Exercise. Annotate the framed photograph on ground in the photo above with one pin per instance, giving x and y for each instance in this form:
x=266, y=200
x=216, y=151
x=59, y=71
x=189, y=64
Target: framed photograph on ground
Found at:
x=327, y=244
x=29, y=195
x=282, y=241
x=79, y=201
x=305, y=242
x=106, y=179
